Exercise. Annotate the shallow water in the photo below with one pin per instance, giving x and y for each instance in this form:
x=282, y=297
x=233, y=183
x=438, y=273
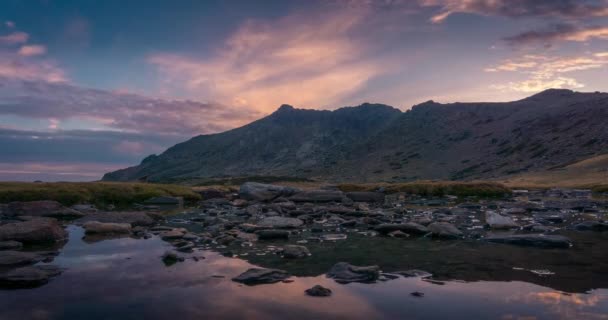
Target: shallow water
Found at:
x=126, y=279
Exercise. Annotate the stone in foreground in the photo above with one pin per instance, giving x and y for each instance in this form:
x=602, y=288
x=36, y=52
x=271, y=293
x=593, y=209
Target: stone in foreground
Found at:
x=95, y=227
x=343, y=272
x=498, y=221
x=255, y=276
x=318, y=291
x=295, y=252
x=28, y=277
x=254, y=191
x=533, y=240
x=38, y=230
x=444, y=230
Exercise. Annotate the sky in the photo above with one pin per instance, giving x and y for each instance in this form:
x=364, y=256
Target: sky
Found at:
x=87, y=87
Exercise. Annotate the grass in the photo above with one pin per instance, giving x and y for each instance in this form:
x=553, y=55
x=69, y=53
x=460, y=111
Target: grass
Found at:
x=98, y=193
x=424, y=188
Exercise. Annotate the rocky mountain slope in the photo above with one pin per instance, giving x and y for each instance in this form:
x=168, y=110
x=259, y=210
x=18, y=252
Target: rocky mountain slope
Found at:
x=374, y=142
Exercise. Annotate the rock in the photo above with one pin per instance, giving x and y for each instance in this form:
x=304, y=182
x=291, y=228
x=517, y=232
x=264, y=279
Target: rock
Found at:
x=410, y=228
x=211, y=193
x=28, y=277
x=280, y=223
x=106, y=227
x=497, y=221
x=272, y=234
x=171, y=257
x=366, y=196
x=444, y=230
x=532, y=240
x=333, y=237
x=398, y=234
x=240, y=203
x=165, y=201
x=343, y=272
x=295, y=252
x=417, y=294
x=19, y=258
x=318, y=291
x=10, y=245
x=255, y=276
x=173, y=234
x=38, y=230
x=317, y=196
x=44, y=208
x=264, y=192
x=414, y=273
x=135, y=218
x=87, y=208
x=592, y=226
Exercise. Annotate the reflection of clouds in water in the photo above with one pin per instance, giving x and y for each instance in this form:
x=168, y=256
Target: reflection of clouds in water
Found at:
x=593, y=305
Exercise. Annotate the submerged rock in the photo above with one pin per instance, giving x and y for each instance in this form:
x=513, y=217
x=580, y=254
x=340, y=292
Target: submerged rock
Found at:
x=532, y=240
x=96, y=227
x=294, y=252
x=318, y=291
x=410, y=228
x=343, y=272
x=271, y=234
x=171, y=257
x=444, y=230
x=38, y=230
x=255, y=276
x=497, y=221
x=28, y=277
x=264, y=192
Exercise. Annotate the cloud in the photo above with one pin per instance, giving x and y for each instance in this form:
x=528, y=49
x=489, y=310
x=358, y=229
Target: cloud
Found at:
x=9, y=24
x=32, y=50
x=570, y=9
x=13, y=66
x=544, y=72
x=559, y=32
x=14, y=38
x=122, y=111
x=305, y=60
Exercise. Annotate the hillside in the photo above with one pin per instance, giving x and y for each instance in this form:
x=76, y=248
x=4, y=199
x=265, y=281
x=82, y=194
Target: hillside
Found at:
x=373, y=142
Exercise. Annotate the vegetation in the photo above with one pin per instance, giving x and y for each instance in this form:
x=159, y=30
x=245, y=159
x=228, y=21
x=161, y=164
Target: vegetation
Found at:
x=99, y=193
x=461, y=189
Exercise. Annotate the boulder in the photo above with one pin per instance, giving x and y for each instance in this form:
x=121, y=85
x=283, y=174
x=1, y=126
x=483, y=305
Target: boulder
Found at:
x=295, y=252
x=343, y=272
x=317, y=196
x=37, y=230
x=106, y=227
x=165, y=201
x=444, y=230
x=362, y=196
x=255, y=276
x=272, y=234
x=43, y=208
x=28, y=277
x=211, y=193
x=18, y=258
x=280, y=223
x=87, y=208
x=10, y=245
x=410, y=228
x=497, y=221
x=532, y=240
x=592, y=226
x=135, y=218
x=264, y=192
x=318, y=291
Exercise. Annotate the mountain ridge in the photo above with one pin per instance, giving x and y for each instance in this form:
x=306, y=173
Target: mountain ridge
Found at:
x=376, y=142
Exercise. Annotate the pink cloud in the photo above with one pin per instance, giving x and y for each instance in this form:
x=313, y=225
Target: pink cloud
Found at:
x=9, y=24
x=32, y=50
x=14, y=38
x=16, y=67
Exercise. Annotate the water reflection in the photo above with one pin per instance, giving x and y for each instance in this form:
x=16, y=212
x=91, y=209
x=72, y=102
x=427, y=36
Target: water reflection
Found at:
x=126, y=279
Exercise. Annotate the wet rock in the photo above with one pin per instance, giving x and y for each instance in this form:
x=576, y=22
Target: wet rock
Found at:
x=280, y=223
x=316, y=196
x=532, y=240
x=135, y=218
x=264, y=192
x=398, y=234
x=295, y=252
x=272, y=234
x=318, y=291
x=211, y=193
x=343, y=272
x=173, y=234
x=333, y=237
x=38, y=230
x=10, y=245
x=417, y=294
x=444, y=230
x=85, y=208
x=550, y=217
x=241, y=203
x=410, y=228
x=106, y=228
x=414, y=273
x=497, y=221
x=171, y=257
x=256, y=276
x=28, y=277
x=366, y=196
x=43, y=208
x=19, y=258
x=592, y=226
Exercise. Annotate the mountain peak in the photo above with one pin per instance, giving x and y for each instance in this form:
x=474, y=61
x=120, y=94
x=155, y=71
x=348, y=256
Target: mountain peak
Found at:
x=285, y=107
x=549, y=93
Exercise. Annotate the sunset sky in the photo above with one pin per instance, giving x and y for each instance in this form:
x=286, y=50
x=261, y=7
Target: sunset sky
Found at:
x=87, y=87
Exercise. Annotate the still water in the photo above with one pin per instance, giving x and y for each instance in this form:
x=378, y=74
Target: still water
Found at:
x=125, y=278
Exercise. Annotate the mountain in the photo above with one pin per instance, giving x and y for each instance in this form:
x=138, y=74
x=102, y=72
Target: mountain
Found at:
x=374, y=142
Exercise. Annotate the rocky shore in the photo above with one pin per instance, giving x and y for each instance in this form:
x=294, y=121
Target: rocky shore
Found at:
x=262, y=219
